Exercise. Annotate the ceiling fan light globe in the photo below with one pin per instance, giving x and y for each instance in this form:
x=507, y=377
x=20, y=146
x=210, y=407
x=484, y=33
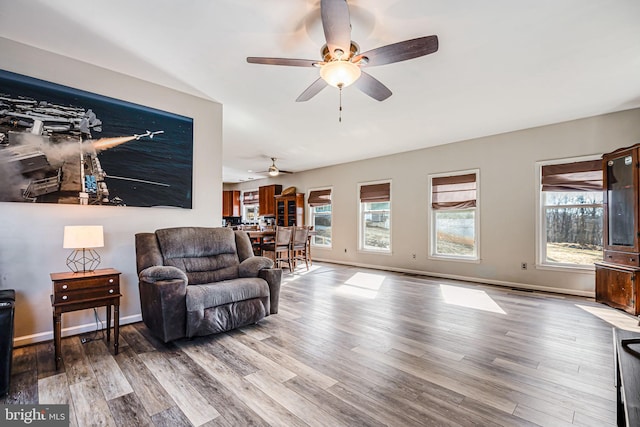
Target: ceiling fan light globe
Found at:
x=273, y=171
x=340, y=73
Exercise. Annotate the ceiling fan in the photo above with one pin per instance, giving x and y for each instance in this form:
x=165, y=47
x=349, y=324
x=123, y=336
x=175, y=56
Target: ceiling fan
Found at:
x=273, y=169
x=341, y=58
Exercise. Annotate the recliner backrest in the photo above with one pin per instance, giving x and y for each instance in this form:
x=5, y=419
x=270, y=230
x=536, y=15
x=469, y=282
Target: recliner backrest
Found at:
x=205, y=254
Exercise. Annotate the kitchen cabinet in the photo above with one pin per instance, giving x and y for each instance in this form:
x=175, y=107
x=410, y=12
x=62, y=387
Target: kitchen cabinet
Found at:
x=230, y=203
x=266, y=197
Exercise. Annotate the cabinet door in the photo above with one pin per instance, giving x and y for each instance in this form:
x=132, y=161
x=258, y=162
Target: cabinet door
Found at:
x=621, y=201
x=616, y=287
x=267, y=202
x=291, y=213
x=227, y=204
x=230, y=203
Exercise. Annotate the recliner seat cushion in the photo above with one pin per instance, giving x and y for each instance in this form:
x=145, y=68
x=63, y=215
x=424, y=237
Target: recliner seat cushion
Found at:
x=201, y=297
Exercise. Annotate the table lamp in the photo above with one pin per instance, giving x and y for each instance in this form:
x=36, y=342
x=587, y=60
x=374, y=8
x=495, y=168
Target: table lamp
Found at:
x=82, y=239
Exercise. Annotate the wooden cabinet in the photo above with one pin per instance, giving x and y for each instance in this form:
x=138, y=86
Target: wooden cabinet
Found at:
x=616, y=276
x=290, y=210
x=617, y=286
x=231, y=203
x=266, y=197
x=79, y=291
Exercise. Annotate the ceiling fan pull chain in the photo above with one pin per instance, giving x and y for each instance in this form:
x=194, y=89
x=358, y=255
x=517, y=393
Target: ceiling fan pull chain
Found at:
x=340, y=109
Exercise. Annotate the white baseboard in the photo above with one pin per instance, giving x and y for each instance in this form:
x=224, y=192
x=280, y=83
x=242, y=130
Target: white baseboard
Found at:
x=72, y=330
x=527, y=286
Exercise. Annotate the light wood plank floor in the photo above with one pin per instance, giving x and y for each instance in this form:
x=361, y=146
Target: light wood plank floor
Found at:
x=350, y=347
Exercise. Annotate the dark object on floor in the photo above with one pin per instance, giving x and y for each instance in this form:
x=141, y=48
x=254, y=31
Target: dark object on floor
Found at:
x=196, y=281
x=7, y=301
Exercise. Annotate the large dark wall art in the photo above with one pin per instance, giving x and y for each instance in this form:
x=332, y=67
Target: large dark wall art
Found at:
x=63, y=145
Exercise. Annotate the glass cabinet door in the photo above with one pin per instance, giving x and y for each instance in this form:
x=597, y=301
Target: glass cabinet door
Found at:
x=621, y=201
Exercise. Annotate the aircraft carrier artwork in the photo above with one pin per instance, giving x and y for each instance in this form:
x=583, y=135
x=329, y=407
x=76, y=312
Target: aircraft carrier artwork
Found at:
x=49, y=153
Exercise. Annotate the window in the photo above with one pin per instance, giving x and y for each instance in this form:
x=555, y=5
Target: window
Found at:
x=250, y=207
x=454, y=216
x=320, y=209
x=375, y=218
x=571, y=213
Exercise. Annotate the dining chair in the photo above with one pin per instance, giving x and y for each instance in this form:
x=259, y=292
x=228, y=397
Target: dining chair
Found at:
x=281, y=245
x=299, y=246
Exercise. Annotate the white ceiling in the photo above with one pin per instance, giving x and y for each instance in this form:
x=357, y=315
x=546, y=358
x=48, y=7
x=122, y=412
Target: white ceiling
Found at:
x=502, y=65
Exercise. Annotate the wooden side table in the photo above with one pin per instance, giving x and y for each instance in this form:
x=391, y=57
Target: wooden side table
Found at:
x=79, y=291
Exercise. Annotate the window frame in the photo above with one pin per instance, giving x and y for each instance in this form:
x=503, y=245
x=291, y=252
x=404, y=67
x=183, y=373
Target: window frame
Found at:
x=361, y=222
x=431, y=218
x=541, y=224
x=311, y=217
x=245, y=206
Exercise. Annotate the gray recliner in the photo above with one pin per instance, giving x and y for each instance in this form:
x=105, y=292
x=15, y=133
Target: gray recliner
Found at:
x=196, y=281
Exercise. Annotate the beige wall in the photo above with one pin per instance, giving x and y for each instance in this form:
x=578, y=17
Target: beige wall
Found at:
x=31, y=234
x=507, y=165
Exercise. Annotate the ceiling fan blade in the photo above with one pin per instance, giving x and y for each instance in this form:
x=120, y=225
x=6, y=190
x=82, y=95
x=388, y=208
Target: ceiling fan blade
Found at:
x=312, y=90
x=282, y=61
x=372, y=87
x=336, y=25
x=400, y=51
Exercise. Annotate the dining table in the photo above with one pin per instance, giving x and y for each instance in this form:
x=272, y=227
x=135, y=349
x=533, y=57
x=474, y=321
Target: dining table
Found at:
x=262, y=236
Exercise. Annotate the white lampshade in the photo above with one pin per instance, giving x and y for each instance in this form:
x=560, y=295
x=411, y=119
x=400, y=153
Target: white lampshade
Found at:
x=340, y=73
x=83, y=236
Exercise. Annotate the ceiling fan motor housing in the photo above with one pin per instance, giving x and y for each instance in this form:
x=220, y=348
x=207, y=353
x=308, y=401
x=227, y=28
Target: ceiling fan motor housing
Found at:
x=328, y=56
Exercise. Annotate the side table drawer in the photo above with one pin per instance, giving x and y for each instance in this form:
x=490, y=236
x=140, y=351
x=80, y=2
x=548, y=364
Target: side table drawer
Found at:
x=85, y=294
x=87, y=283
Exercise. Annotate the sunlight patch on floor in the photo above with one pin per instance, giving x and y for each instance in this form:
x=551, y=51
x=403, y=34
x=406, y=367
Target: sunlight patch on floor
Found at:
x=287, y=276
x=470, y=298
x=614, y=317
x=363, y=285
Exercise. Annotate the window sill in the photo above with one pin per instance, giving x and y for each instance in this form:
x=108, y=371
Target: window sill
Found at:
x=454, y=258
x=374, y=252
x=583, y=269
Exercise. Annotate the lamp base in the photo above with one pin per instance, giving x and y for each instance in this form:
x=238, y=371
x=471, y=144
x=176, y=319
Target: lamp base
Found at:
x=83, y=260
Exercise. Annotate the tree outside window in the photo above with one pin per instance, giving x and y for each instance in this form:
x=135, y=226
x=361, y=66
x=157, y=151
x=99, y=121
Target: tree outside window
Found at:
x=571, y=213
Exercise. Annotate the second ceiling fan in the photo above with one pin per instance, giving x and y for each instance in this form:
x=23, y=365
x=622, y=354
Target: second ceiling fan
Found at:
x=341, y=58
x=273, y=169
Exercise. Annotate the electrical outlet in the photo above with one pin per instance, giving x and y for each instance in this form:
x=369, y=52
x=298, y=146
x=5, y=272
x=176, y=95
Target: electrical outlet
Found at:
x=523, y=265
x=345, y=250
x=413, y=256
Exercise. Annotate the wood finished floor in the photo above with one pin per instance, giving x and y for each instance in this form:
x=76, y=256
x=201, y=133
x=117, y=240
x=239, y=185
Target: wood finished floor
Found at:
x=349, y=347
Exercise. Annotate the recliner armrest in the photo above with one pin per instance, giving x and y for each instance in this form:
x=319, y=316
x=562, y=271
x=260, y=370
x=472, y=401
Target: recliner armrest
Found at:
x=163, y=291
x=273, y=277
x=158, y=273
x=250, y=267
